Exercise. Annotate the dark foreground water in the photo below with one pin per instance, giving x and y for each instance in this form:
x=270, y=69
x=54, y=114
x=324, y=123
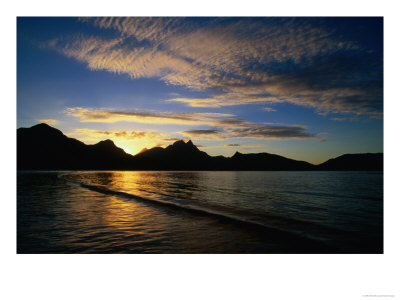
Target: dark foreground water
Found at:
x=199, y=212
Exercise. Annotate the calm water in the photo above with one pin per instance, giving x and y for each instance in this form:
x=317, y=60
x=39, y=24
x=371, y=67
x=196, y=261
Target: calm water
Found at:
x=199, y=212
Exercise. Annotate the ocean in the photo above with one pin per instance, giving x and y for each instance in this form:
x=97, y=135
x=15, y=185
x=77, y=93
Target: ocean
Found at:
x=199, y=212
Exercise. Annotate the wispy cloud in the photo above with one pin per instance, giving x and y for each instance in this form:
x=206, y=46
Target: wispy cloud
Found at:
x=128, y=135
x=206, y=134
x=269, y=109
x=199, y=102
x=239, y=60
x=353, y=118
x=171, y=139
x=272, y=132
x=225, y=126
x=111, y=116
x=253, y=131
x=225, y=99
x=339, y=119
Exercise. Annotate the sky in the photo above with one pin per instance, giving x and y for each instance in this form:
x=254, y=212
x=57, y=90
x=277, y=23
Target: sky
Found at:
x=305, y=88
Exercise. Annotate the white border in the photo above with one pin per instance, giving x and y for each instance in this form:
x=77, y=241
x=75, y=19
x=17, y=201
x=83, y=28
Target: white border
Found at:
x=198, y=276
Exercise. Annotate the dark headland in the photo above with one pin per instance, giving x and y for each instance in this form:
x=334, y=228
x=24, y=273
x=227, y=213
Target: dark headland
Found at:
x=42, y=147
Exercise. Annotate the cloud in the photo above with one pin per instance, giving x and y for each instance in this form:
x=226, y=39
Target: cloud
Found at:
x=269, y=109
x=128, y=135
x=226, y=99
x=201, y=132
x=253, y=131
x=206, y=134
x=272, y=132
x=132, y=141
x=225, y=126
x=198, y=102
x=354, y=118
x=111, y=116
x=49, y=121
x=339, y=119
x=171, y=139
x=304, y=61
x=232, y=145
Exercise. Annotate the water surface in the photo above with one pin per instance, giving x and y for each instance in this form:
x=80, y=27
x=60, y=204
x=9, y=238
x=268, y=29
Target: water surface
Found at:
x=199, y=212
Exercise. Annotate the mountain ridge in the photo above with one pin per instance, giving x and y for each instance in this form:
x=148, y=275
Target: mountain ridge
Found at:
x=42, y=147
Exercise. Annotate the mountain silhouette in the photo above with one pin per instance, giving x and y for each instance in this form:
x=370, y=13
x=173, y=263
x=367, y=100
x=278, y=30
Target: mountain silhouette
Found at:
x=179, y=155
x=266, y=161
x=366, y=161
x=43, y=147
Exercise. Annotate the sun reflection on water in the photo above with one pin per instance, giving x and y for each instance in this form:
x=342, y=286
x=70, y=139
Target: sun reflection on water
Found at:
x=56, y=216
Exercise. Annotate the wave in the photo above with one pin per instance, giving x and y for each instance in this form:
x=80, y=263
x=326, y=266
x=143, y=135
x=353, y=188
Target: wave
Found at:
x=250, y=221
x=190, y=207
x=330, y=195
x=246, y=221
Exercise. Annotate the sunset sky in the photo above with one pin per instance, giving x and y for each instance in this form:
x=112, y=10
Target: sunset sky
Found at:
x=305, y=88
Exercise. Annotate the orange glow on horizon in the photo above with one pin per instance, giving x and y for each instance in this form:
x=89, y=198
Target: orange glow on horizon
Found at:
x=133, y=147
x=130, y=145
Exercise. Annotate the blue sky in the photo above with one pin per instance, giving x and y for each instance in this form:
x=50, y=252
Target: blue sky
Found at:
x=305, y=88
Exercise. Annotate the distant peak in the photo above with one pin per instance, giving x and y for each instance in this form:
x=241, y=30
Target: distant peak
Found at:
x=106, y=143
x=237, y=153
x=43, y=127
x=143, y=150
x=178, y=143
x=182, y=146
x=190, y=145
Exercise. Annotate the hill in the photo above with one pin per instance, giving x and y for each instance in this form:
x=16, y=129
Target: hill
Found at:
x=351, y=162
x=43, y=147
